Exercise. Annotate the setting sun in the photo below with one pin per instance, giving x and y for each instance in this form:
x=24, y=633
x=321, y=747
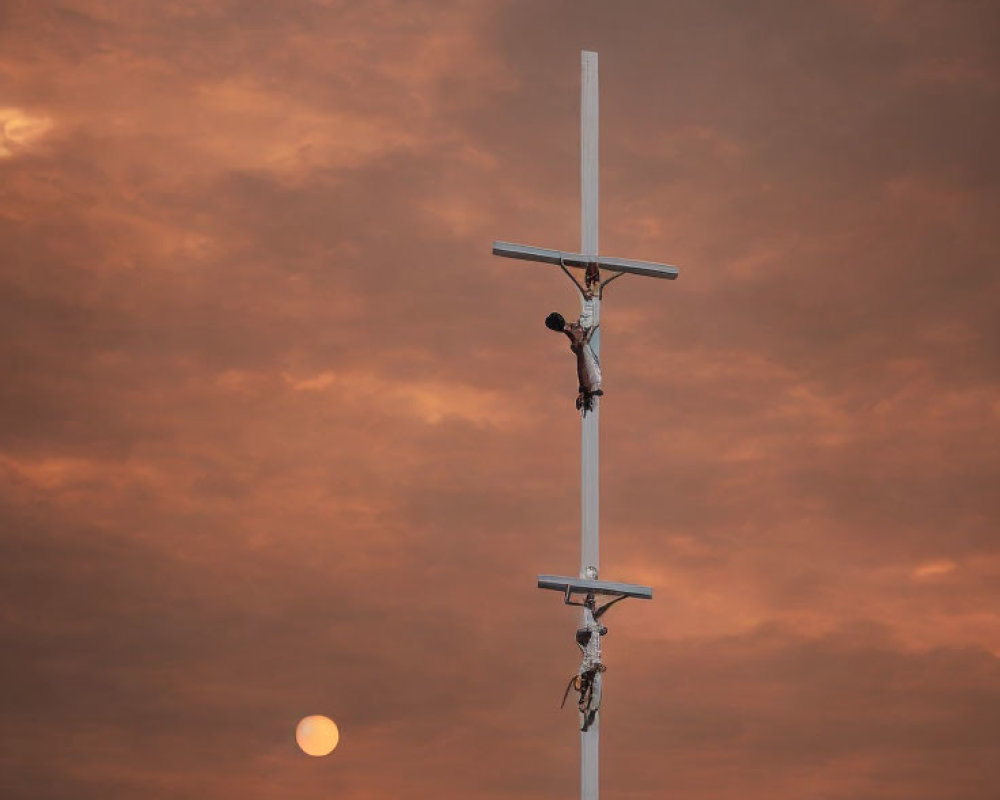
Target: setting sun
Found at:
x=317, y=735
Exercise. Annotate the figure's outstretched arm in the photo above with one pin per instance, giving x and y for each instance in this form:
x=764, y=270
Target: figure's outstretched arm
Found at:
x=585, y=293
x=606, y=606
x=604, y=283
x=568, y=598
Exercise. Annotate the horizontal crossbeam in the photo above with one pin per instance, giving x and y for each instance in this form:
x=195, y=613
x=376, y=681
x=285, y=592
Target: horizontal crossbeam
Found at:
x=527, y=253
x=585, y=586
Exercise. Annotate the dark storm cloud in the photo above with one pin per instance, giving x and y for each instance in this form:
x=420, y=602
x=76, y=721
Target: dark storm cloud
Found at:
x=278, y=436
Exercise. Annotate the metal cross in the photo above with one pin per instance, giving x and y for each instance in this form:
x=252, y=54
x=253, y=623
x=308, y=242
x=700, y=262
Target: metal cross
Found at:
x=590, y=677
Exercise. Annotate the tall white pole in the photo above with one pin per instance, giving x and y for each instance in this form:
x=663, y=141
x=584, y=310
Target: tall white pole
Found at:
x=589, y=550
x=590, y=316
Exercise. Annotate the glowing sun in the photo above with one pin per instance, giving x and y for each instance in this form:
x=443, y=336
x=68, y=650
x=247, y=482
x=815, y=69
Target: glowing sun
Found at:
x=317, y=735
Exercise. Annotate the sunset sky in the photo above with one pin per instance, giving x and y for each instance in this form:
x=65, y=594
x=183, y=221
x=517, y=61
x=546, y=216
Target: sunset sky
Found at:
x=279, y=436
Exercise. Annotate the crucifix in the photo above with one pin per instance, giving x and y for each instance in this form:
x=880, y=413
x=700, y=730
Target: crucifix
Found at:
x=585, y=341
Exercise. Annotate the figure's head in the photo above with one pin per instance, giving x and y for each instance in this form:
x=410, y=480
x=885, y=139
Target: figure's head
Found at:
x=555, y=322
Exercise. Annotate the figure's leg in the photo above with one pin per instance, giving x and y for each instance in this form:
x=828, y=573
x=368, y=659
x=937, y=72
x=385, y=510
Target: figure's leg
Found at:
x=587, y=708
x=586, y=690
x=574, y=682
x=596, y=690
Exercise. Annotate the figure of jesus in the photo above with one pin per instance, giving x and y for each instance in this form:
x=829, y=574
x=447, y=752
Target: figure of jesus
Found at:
x=588, y=367
x=587, y=680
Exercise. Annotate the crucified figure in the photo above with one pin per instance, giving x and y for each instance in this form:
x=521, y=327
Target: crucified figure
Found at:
x=587, y=680
x=588, y=367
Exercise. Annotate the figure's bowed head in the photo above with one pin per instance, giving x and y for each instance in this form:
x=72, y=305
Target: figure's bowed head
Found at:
x=555, y=322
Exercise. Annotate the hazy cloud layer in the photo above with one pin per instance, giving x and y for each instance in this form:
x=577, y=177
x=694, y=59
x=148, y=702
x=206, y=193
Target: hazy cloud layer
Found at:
x=278, y=436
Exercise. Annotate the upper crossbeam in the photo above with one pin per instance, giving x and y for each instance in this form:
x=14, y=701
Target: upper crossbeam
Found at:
x=580, y=261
